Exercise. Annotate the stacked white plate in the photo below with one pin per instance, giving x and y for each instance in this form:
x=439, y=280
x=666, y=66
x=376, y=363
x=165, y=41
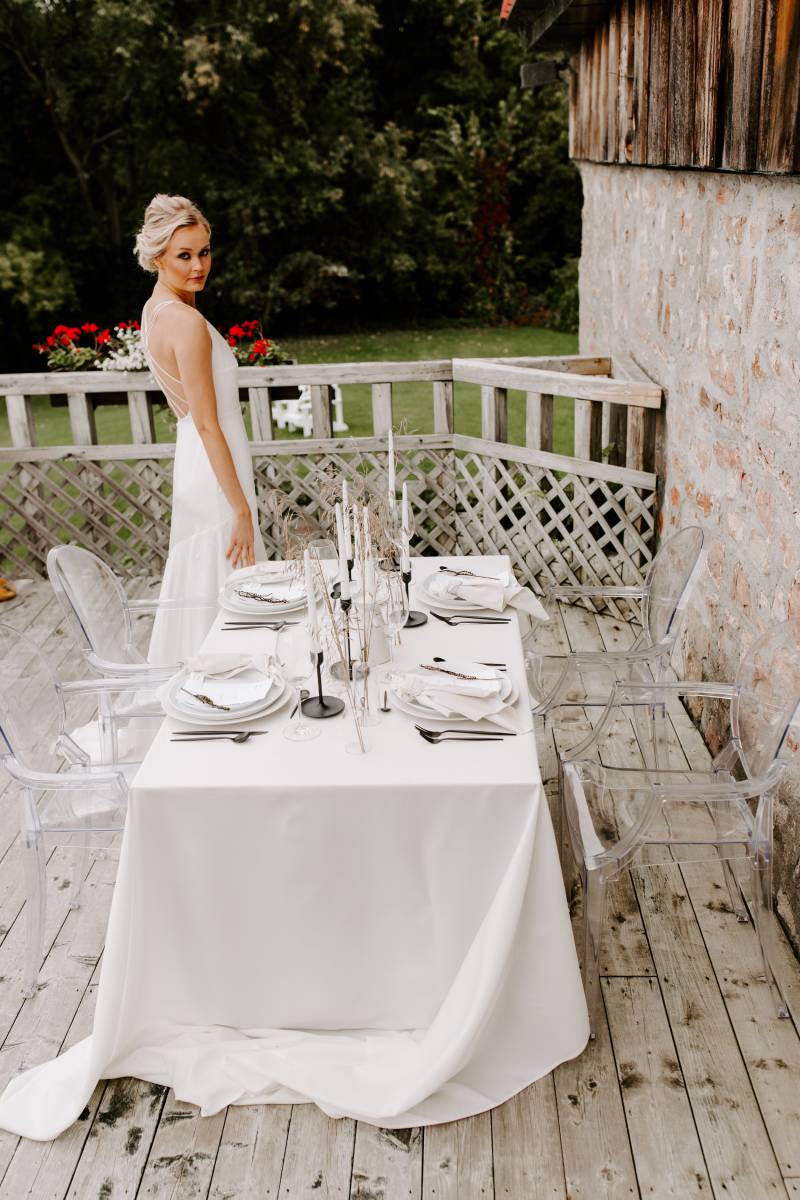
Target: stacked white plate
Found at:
x=509, y=692
x=446, y=603
x=264, y=595
x=266, y=695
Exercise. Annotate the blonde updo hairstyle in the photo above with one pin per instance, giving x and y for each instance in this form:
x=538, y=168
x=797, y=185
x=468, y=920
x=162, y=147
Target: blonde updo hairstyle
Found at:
x=163, y=215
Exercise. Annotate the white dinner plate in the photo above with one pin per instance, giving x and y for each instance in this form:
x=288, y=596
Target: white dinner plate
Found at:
x=422, y=712
x=273, y=702
x=191, y=707
x=450, y=603
x=290, y=595
x=508, y=693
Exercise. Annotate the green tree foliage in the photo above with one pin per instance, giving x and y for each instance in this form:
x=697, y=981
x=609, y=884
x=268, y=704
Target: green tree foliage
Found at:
x=363, y=160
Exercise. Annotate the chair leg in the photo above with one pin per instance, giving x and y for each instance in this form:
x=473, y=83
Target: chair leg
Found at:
x=765, y=921
x=80, y=869
x=594, y=904
x=734, y=892
x=35, y=909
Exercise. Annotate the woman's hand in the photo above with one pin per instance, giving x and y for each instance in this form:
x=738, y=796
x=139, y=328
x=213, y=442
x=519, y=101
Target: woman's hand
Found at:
x=240, y=551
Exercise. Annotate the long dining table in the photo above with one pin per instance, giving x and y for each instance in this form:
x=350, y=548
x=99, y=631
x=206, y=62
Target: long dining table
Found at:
x=385, y=935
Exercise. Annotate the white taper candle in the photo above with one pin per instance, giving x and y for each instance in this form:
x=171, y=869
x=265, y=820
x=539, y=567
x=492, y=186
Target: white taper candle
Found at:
x=391, y=472
x=348, y=546
x=312, y=601
x=405, y=556
x=344, y=579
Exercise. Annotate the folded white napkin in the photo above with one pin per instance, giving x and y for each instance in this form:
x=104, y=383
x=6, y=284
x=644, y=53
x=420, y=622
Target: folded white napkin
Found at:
x=473, y=699
x=492, y=591
x=274, y=570
x=228, y=680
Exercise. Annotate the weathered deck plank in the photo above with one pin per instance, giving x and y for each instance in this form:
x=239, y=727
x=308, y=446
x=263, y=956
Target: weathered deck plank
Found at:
x=387, y=1163
x=457, y=1160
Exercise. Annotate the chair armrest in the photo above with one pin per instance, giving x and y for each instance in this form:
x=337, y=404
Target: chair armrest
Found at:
x=712, y=789
x=576, y=591
x=655, y=693
x=88, y=687
x=65, y=781
x=120, y=671
x=142, y=606
x=155, y=605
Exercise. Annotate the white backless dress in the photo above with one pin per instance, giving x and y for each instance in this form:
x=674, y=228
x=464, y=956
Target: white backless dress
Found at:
x=202, y=518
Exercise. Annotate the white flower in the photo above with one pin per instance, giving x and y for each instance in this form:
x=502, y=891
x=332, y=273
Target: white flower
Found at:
x=127, y=353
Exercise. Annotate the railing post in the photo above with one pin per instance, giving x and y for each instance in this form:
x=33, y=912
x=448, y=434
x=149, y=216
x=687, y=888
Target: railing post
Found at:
x=443, y=412
x=20, y=420
x=538, y=421
x=261, y=414
x=381, y=408
x=494, y=414
x=588, y=429
x=81, y=419
x=140, y=409
x=321, y=421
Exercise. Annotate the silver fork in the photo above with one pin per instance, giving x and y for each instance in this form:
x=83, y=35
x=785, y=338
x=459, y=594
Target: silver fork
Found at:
x=490, y=733
x=434, y=740
x=238, y=738
x=465, y=620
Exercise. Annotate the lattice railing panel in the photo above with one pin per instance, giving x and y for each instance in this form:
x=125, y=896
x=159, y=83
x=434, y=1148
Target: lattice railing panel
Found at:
x=468, y=496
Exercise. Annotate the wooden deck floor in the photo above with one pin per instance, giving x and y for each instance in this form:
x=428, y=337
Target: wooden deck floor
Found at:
x=691, y=1089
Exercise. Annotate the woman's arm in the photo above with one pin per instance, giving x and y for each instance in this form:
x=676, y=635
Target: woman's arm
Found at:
x=193, y=358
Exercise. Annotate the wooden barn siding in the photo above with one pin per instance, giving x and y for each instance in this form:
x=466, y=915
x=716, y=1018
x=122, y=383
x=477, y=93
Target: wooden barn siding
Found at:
x=691, y=83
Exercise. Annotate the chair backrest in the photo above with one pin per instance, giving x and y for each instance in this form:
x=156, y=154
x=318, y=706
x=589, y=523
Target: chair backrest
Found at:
x=769, y=695
x=93, y=600
x=672, y=575
x=31, y=708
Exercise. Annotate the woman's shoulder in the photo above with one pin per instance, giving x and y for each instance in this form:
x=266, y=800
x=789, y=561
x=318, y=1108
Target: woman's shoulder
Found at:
x=183, y=322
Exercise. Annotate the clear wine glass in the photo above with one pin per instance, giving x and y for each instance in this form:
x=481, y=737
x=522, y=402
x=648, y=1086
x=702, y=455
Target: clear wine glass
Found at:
x=297, y=659
x=394, y=604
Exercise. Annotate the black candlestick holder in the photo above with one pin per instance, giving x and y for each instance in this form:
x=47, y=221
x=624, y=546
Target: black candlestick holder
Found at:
x=343, y=669
x=336, y=590
x=319, y=706
x=415, y=618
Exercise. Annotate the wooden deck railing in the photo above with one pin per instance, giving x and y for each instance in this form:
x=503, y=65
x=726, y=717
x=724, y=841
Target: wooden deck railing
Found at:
x=613, y=399
x=587, y=516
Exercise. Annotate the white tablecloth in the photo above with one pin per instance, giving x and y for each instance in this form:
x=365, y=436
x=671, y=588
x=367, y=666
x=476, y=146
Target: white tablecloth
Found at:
x=384, y=935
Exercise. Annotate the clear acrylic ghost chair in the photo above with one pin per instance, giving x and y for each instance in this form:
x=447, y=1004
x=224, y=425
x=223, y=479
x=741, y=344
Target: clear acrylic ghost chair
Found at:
x=100, y=613
x=101, y=617
x=585, y=679
x=63, y=796
x=614, y=815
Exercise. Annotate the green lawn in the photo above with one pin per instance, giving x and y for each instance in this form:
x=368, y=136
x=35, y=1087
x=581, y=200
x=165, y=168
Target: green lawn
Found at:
x=413, y=402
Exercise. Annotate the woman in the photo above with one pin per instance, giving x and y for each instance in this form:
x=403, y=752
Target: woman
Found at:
x=214, y=524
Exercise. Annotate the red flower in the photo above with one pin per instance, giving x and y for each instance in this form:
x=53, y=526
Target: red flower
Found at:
x=103, y=337
x=231, y=340
x=73, y=334
x=89, y=327
x=66, y=340
x=51, y=341
x=252, y=356
x=250, y=326
x=134, y=324
x=236, y=331
x=260, y=347
x=59, y=329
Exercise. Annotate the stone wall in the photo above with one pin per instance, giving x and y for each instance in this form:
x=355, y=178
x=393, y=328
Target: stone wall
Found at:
x=697, y=275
